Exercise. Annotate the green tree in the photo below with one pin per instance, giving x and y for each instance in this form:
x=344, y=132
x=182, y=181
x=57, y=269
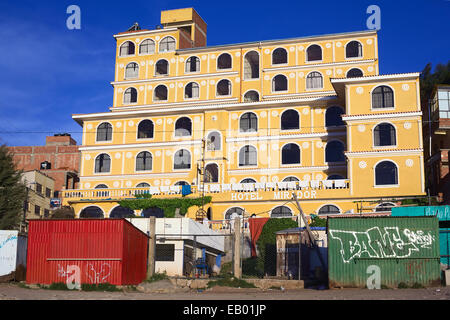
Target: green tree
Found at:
x=12, y=192
x=65, y=212
x=429, y=79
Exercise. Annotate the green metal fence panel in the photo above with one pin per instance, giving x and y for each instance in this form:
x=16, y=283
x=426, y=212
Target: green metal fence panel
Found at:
x=399, y=249
x=444, y=238
x=442, y=212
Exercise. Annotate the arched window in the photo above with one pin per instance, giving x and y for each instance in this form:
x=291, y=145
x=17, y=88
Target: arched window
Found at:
x=248, y=156
x=248, y=180
x=334, y=152
x=127, y=49
x=162, y=68
x=354, y=73
x=132, y=70
x=193, y=64
x=144, y=161
x=213, y=142
x=130, y=96
x=281, y=211
x=279, y=83
x=384, y=207
x=104, y=132
x=192, y=90
x=290, y=154
x=333, y=117
x=102, y=163
x=224, y=87
x=329, y=209
x=386, y=173
x=251, y=96
x=233, y=213
x=121, y=212
x=290, y=120
x=251, y=65
x=224, y=61
x=153, y=212
x=92, y=212
x=291, y=179
x=384, y=135
x=314, y=53
x=101, y=186
x=147, y=47
x=167, y=44
x=335, y=177
x=353, y=50
x=145, y=129
x=248, y=122
x=143, y=185
x=182, y=159
x=160, y=93
x=181, y=183
x=183, y=127
x=382, y=97
x=211, y=173
x=279, y=56
x=314, y=80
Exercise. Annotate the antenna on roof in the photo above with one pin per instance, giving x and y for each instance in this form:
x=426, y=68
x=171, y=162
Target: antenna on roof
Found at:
x=135, y=27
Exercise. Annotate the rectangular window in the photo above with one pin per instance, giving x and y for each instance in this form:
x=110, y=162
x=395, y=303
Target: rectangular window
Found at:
x=46, y=213
x=37, y=210
x=165, y=252
x=39, y=188
x=48, y=193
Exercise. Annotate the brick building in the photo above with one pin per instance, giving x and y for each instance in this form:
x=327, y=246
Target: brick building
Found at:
x=59, y=159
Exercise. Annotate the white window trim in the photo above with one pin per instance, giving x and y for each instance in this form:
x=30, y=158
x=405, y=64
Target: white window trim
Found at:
x=146, y=54
x=175, y=126
x=290, y=130
x=125, y=71
x=110, y=166
x=137, y=131
x=290, y=164
x=104, y=141
x=135, y=162
x=279, y=64
x=314, y=89
x=306, y=54
x=279, y=91
x=224, y=69
x=371, y=98
x=353, y=58
x=251, y=166
x=168, y=69
x=193, y=72
x=393, y=146
x=248, y=132
x=375, y=185
x=173, y=161
x=154, y=93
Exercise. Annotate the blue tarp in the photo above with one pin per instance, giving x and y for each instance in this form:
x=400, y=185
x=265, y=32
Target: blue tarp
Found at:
x=186, y=190
x=442, y=212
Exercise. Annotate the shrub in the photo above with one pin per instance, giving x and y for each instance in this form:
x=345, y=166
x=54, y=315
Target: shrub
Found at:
x=157, y=277
x=402, y=285
x=99, y=287
x=231, y=282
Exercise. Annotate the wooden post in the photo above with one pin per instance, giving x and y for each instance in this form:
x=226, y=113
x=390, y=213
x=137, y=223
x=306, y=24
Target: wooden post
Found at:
x=151, y=248
x=237, y=248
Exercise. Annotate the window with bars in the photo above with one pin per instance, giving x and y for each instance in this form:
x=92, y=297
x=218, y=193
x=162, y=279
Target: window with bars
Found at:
x=329, y=209
x=248, y=156
x=314, y=80
x=281, y=211
x=167, y=44
x=165, y=252
x=193, y=64
x=132, y=70
x=38, y=188
x=384, y=135
x=248, y=180
x=248, y=122
x=182, y=159
x=386, y=173
x=444, y=104
x=37, y=210
x=126, y=49
x=382, y=97
x=290, y=179
x=147, y=47
x=353, y=50
x=102, y=163
x=130, y=96
x=144, y=161
x=192, y=90
x=48, y=193
x=104, y=132
x=143, y=185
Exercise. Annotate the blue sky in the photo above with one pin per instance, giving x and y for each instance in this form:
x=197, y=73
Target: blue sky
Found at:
x=50, y=72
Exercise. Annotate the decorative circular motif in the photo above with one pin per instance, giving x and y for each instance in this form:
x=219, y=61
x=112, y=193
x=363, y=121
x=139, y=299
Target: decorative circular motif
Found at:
x=89, y=126
x=275, y=147
x=141, y=88
x=213, y=56
x=143, y=63
x=87, y=157
x=301, y=48
x=292, y=49
x=167, y=182
x=370, y=69
x=267, y=51
x=129, y=155
x=318, y=111
x=150, y=87
x=121, y=66
x=159, y=121
x=181, y=59
x=362, y=164
x=120, y=90
x=197, y=119
x=158, y=153
x=151, y=62
x=338, y=44
x=306, y=177
x=171, y=86
x=172, y=60
x=305, y=111
x=328, y=72
x=169, y=121
x=361, y=128
x=237, y=54
x=156, y=182
x=196, y=152
x=203, y=83
x=275, y=179
x=214, y=118
x=263, y=114
x=237, y=80
x=234, y=116
x=292, y=75
x=233, y=180
x=117, y=155
x=409, y=163
x=168, y=153
x=359, y=90
x=339, y=71
x=319, y=144
x=407, y=125
x=157, y=37
x=266, y=77
x=305, y=145
x=203, y=57
x=180, y=85
x=319, y=177
x=263, y=179
x=369, y=41
x=274, y=113
x=87, y=185
x=262, y=147
x=116, y=184
x=328, y=45
x=301, y=74
x=128, y=184
x=212, y=82
x=131, y=123
x=405, y=87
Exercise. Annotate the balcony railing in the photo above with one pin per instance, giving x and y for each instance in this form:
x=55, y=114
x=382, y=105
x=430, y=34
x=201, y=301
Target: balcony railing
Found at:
x=208, y=189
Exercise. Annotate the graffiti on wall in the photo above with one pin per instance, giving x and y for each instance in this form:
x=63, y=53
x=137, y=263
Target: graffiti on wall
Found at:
x=98, y=276
x=376, y=242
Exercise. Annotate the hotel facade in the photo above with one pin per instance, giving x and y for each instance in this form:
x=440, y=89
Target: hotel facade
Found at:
x=250, y=124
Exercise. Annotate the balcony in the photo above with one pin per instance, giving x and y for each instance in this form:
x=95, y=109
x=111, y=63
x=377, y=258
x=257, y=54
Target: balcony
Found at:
x=314, y=189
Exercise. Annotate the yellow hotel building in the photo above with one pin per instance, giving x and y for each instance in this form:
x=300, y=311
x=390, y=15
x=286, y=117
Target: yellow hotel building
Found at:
x=251, y=123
